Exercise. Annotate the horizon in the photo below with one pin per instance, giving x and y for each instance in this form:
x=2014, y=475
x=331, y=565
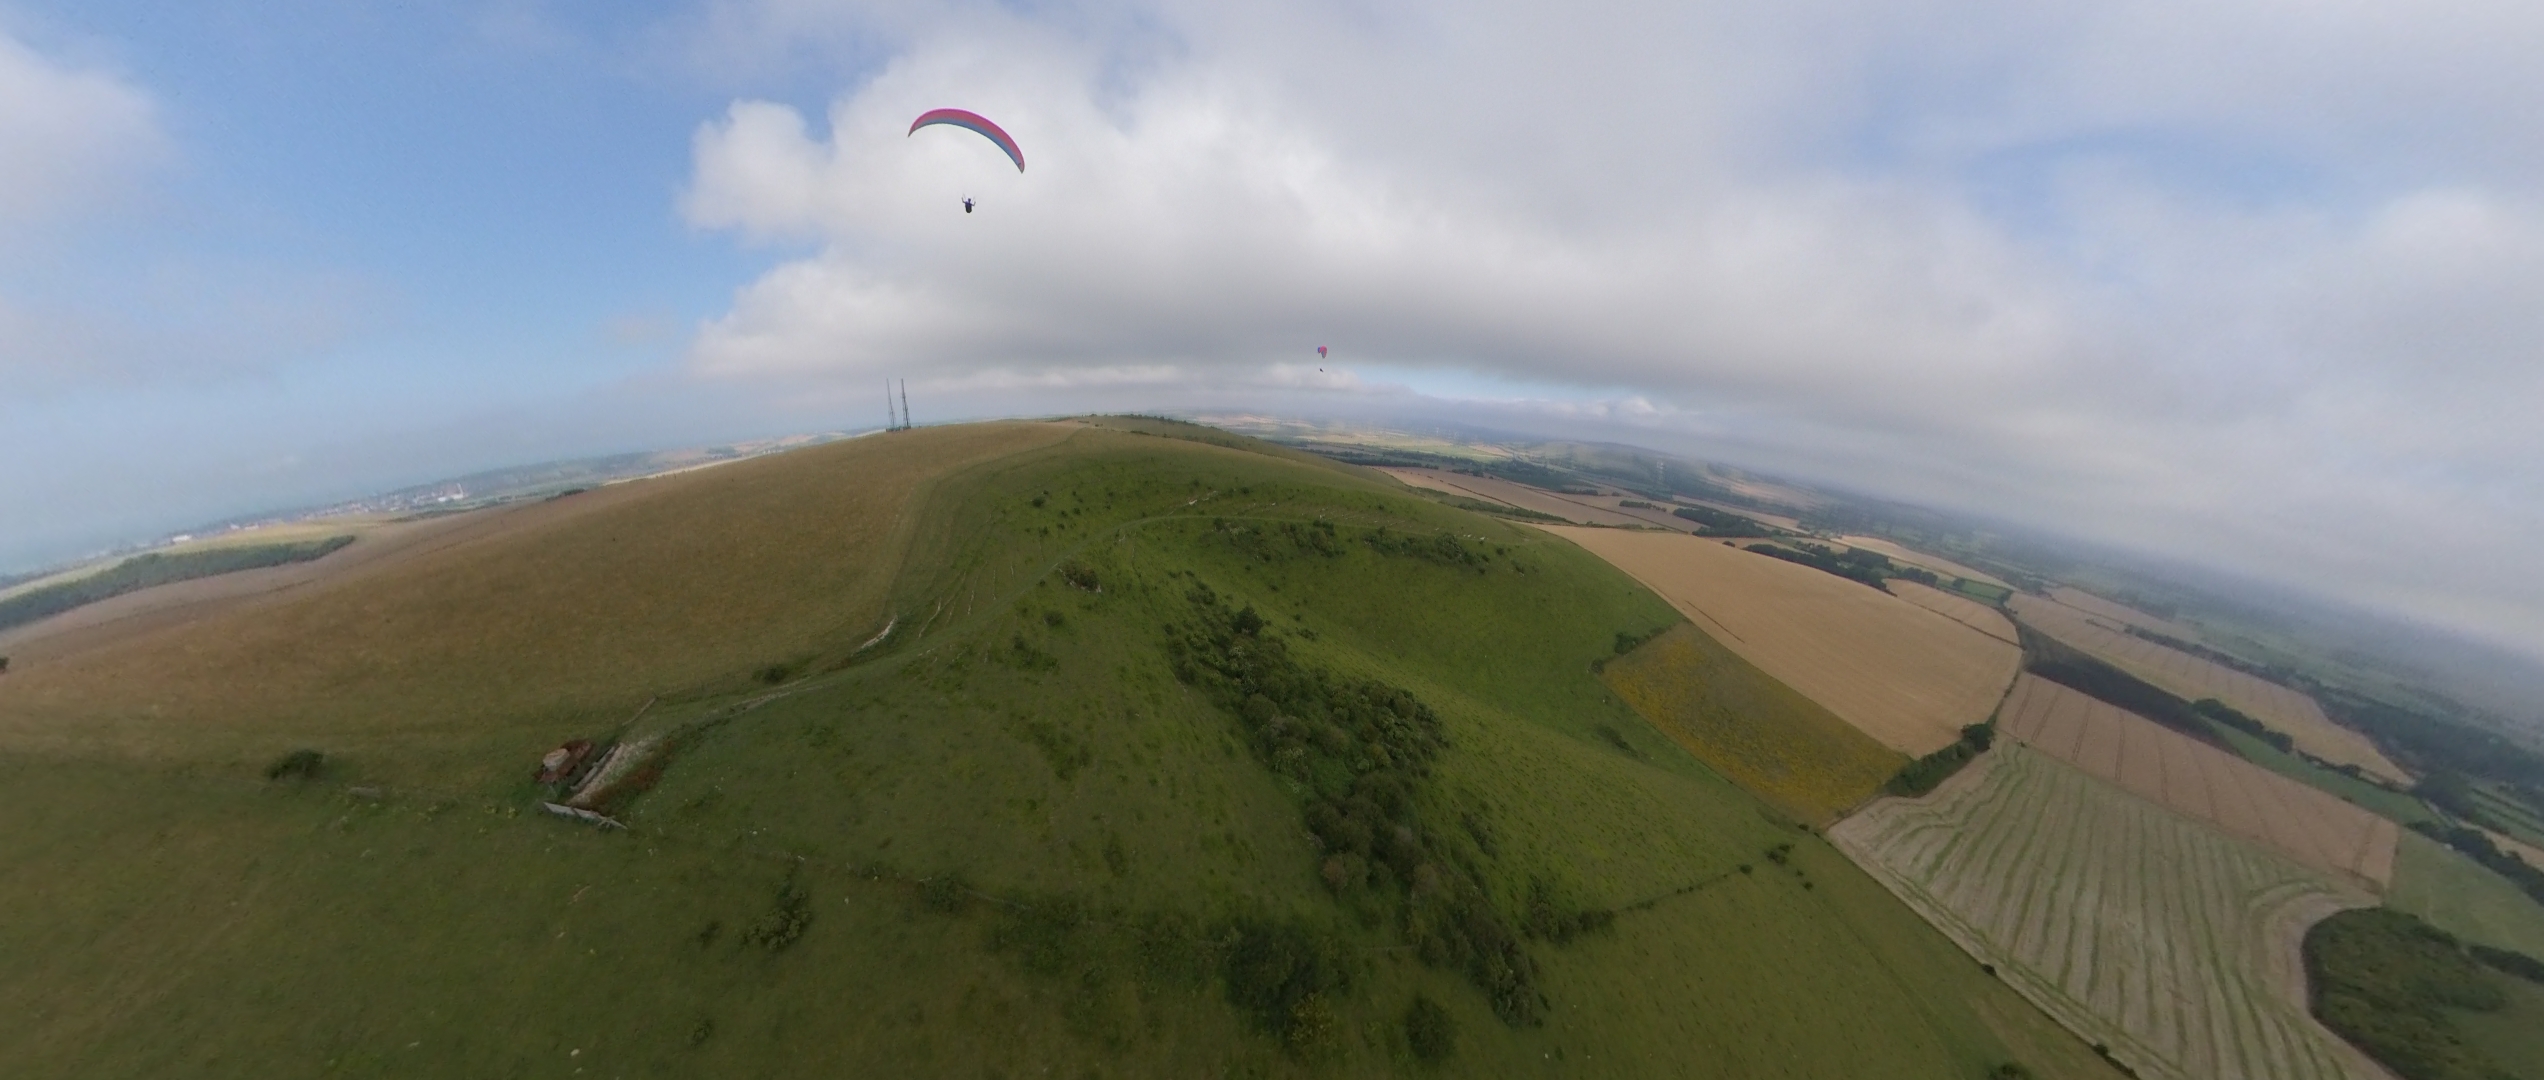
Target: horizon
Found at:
x=2203, y=286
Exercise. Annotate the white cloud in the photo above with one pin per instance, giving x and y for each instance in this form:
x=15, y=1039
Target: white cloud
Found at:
x=2224, y=280
x=69, y=137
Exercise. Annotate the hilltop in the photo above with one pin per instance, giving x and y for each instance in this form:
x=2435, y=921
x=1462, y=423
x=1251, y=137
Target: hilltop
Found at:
x=1102, y=748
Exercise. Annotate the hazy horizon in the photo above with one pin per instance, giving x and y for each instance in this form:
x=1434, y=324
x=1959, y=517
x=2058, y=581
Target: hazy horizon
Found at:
x=2197, y=281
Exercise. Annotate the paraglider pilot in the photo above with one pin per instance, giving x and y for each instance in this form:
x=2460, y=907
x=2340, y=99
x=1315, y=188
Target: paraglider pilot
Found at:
x=967, y=204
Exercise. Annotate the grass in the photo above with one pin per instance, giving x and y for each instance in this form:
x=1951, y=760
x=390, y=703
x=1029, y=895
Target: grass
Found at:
x=156, y=568
x=2400, y=807
x=2459, y=896
x=1007, y=836
x=2512, y=1037
x=1761, y=734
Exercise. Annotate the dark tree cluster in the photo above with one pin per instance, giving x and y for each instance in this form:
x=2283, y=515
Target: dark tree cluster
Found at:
x=2088, y=675
x=1279, y=541
x=1929, y=772
x=1719, y=524
x=1362, y=750
x=2219, y=712
x=1445, y=548
x=2387, y=982
x=1820, y=557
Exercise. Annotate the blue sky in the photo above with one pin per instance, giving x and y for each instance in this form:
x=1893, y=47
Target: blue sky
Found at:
x=2197, y=278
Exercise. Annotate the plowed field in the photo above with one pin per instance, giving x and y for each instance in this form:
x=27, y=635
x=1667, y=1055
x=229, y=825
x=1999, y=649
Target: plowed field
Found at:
x=1906, y=676
x=2168, y=941
x=2193, y=678
x=2202, y=781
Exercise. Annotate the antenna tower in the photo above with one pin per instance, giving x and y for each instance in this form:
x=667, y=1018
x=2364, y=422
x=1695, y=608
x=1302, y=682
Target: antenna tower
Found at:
x=905, y=404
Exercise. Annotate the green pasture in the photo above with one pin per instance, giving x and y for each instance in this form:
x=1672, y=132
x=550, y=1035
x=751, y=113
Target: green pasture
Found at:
x=2461, y=897
x=1005, y=839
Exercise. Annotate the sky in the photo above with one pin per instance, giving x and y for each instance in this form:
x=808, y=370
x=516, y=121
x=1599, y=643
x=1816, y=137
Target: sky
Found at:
x=2250, y=283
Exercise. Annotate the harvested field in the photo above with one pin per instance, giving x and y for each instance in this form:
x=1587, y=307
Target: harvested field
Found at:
x=1906, y=676
x=2120, y=614
x=1958, y=608
x=2172, y=943
x=2192, y=678
x=1757, y=732
x=1936, y=563
x=1585, y=509
x=2176, y=771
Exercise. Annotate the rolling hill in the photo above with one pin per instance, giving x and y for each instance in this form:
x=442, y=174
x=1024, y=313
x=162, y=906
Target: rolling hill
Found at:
x=1085, y=748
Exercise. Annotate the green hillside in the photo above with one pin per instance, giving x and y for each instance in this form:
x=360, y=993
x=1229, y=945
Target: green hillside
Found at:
x=1177, y=758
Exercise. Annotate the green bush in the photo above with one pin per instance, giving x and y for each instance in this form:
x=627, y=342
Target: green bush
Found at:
x=298, y=765
x=1430, y=1030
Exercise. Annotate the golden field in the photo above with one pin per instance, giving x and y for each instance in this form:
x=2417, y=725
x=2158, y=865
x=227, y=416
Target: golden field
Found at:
x=1908, y=677
x=2201, y=781
x=1755, y=731
x=2193, y=678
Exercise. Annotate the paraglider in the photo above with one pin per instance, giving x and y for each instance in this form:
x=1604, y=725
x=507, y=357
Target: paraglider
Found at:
x=1320, y=352
x=967, y=204
x=975, y=122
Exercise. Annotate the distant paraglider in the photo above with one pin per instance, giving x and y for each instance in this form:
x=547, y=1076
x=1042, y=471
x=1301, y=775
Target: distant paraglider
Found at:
x=1320, y=352
x=967, y=204
x=975, y=122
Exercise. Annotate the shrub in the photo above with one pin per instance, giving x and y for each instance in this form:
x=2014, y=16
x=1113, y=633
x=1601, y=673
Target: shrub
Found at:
x=1081, y=576
x=946, y=894
x=783, y=923
x=299, y=765
x=1430, y=1030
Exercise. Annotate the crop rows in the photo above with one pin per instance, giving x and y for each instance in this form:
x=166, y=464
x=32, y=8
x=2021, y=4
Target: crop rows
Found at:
x=2174, y=770
x=2193, y=678
x=2166, y=941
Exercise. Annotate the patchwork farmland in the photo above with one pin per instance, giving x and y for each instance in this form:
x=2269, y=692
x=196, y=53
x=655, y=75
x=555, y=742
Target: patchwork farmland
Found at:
x=1906, y=676
x=2120, y=614
x=2169, y=942
x=2193, y=678
x=1958, y=608
x=1757, y=732
x=2176, y=771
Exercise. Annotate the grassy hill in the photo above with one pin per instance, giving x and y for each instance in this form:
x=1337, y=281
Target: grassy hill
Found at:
x=999, y=750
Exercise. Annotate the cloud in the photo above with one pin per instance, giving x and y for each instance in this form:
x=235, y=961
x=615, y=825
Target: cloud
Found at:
x=2199, y=278
x=70, y=138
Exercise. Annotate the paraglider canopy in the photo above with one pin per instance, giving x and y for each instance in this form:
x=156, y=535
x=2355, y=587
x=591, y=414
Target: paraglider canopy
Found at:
x=964, y=118
x=1320, y=352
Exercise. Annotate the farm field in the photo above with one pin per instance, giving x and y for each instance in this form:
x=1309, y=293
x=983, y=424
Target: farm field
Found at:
x=1958, y=608
x=2119, y=613
x=1936, y=563
x=2200, y=781
x=2171, y=943
x=2402, y=808
x=1038, y=825
x=2192, y=678
x=1906, y=676
x=2459, y=896
x=1496, y=490
x=1759, y=733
